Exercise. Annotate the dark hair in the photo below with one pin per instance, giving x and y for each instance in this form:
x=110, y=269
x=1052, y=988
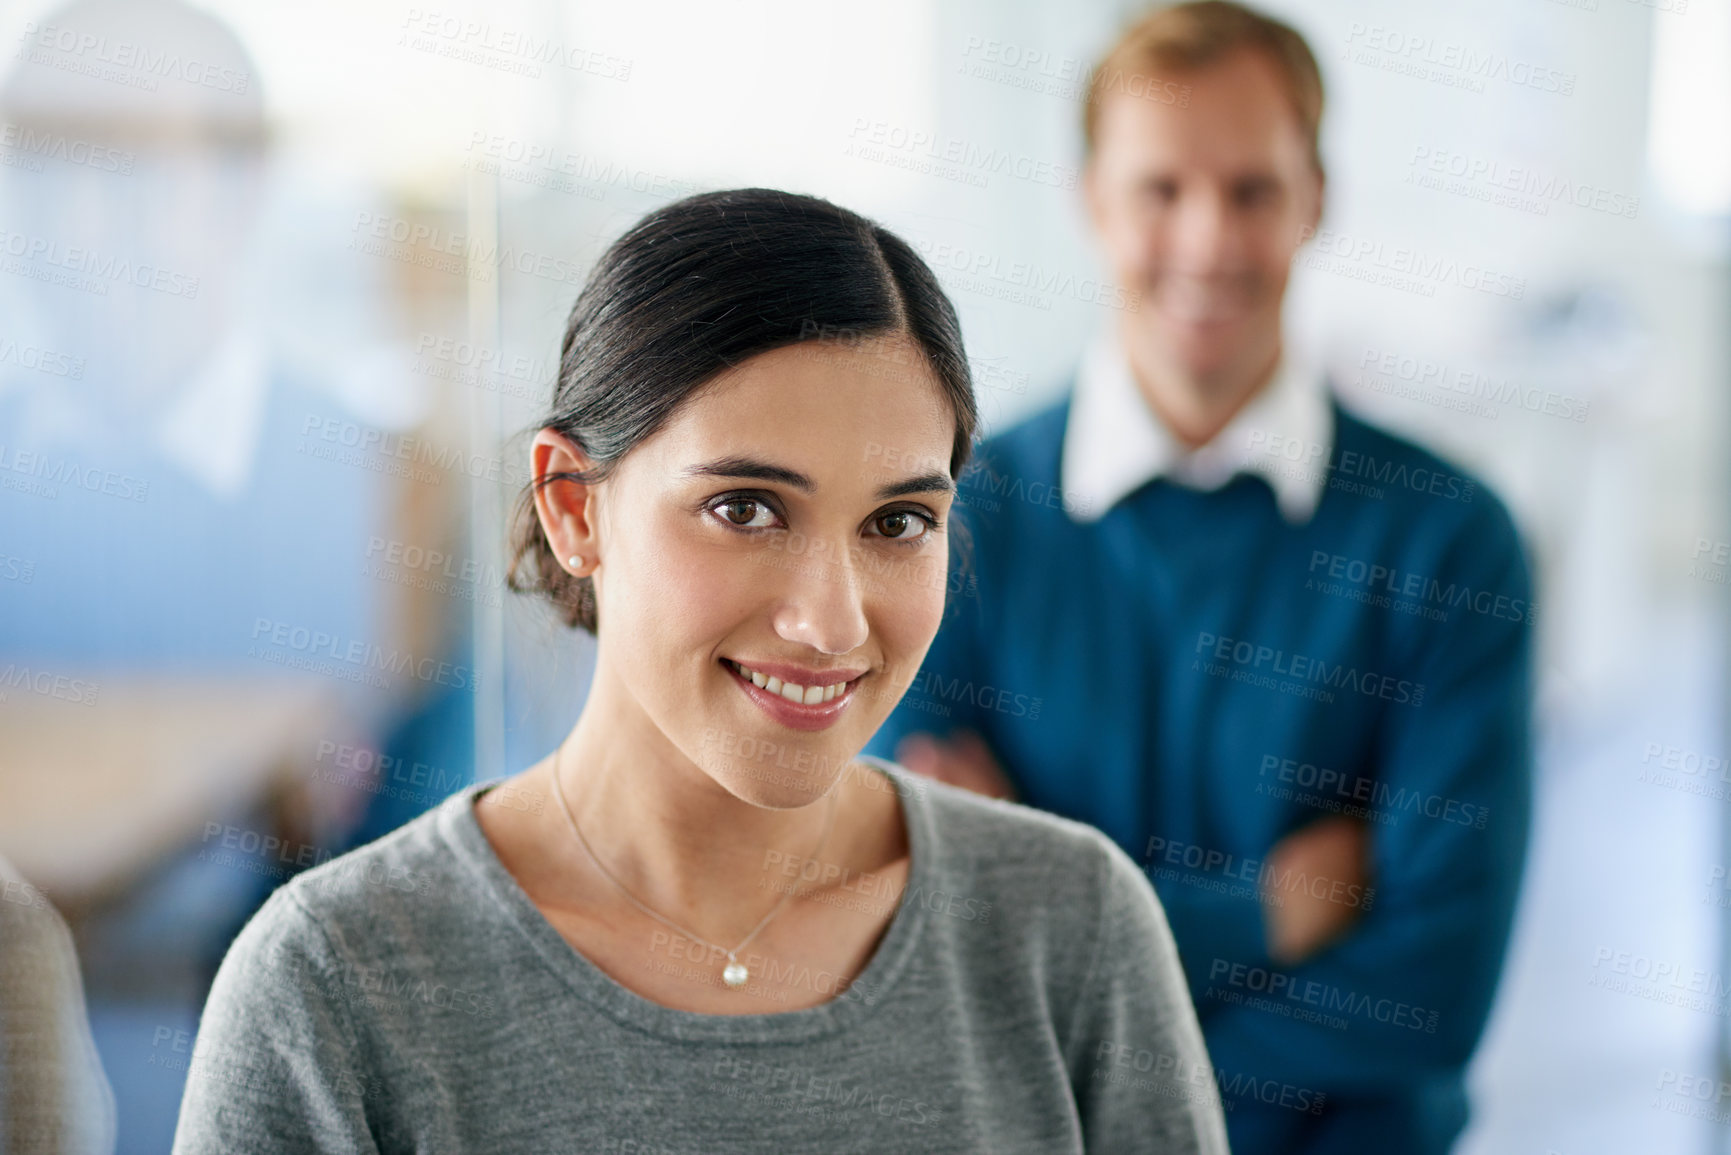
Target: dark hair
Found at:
x=697, y=287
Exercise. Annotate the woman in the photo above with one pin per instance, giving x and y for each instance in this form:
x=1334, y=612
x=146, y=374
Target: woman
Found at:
x=701, y=924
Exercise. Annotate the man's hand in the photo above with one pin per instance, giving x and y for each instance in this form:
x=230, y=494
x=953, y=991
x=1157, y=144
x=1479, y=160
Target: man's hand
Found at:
x=1299, y=923
x=963, y=760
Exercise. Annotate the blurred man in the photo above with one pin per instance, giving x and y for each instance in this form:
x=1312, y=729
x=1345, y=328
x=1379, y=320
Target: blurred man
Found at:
x=1280, y=655
x=176, y=498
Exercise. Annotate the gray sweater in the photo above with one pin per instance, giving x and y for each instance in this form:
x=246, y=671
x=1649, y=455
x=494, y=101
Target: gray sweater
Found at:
x=408, y=996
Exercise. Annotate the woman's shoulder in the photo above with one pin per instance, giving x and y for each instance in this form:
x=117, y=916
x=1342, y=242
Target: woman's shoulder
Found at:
x=372, y=900
x=1064, y=869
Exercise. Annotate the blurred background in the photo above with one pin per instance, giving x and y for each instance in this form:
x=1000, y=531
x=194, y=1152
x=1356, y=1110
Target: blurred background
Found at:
x=280, y=285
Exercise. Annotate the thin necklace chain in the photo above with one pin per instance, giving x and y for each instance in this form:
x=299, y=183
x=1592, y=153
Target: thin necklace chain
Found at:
x=732, y=955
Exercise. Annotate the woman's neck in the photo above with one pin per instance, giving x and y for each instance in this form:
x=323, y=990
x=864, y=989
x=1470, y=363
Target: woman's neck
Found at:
x=674, y=837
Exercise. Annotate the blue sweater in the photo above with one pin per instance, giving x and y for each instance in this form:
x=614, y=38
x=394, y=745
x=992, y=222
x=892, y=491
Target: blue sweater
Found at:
x=1198, y=678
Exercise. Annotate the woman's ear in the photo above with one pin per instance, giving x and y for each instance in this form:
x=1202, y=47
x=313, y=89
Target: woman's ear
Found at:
x=565, y=507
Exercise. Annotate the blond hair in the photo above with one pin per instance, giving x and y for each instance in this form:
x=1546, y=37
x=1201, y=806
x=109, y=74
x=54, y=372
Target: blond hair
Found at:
x=1185, y=37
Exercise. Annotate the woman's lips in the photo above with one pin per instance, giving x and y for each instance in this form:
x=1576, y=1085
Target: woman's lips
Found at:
x=794, y=715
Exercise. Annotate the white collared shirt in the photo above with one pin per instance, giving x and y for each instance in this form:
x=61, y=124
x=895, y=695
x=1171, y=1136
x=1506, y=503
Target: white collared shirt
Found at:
x=207, y=426
x=210, y=430
x=1114, y=443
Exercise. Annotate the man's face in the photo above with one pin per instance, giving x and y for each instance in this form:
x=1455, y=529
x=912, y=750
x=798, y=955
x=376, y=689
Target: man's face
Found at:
x=1200, y=210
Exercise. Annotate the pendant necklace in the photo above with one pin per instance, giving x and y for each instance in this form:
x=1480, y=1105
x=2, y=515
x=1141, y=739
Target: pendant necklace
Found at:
x=734, y=974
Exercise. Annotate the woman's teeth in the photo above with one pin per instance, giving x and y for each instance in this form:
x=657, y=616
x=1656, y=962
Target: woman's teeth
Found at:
x=805, y=695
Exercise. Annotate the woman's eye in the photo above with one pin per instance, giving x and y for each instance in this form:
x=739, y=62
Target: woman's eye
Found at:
x=895, y=525
x=744, y=512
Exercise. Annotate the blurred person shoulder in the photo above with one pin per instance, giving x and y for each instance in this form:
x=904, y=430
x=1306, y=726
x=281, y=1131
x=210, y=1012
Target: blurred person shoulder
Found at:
x=1029, y=447
x=1438, y=509
x=54, y=1094
x=1012, y=483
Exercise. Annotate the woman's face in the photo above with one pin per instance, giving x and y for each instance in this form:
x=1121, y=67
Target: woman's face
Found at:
x=788, y=527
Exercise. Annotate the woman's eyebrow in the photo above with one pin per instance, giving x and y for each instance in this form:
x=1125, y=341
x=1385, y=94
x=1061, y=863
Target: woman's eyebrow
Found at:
x=756, y=470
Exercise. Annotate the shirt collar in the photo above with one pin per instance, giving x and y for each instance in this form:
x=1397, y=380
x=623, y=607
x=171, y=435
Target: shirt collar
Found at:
x=208, y=427
x=211, y=429
x=1114, y=444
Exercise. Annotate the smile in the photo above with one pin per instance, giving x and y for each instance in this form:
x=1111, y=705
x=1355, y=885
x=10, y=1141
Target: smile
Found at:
x=797, y=705
x=792, y=691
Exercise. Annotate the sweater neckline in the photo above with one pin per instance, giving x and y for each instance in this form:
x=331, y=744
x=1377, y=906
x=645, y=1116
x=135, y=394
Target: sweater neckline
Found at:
x=871, y=987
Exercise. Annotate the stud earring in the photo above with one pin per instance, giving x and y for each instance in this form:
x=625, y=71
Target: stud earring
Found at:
x=576, y=561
